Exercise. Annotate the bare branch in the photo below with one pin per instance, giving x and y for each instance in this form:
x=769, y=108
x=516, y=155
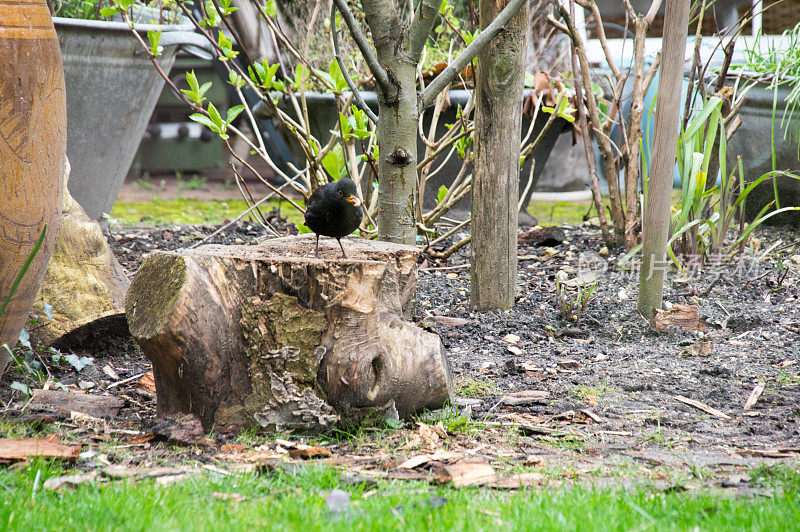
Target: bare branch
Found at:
x=653, y=11
x=337, y=52
x=469, y=53
x=421, y=26
x=381, y=77
x=601, y=34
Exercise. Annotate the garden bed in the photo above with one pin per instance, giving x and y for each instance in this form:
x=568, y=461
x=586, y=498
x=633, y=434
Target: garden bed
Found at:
x=608, y=383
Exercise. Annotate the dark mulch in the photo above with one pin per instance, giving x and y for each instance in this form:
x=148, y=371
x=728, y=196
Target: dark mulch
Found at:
x=611, y=380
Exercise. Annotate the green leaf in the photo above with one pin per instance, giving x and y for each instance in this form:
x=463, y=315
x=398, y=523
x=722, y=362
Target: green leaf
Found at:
x=215, y=117
x=226, y=45
x=441, y=194
x=300, y=77
x=212, y=16
x=206, y=121
x=235, y=79
x=270, y=8
x=337, y=78
x=334, y=163
x=155, y=38
x=233, y=112
x=24, y=269
x=108, y=11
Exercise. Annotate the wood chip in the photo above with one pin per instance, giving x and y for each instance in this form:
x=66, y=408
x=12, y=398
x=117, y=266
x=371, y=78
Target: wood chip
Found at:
x=250, y=457
x=514, y=350
x=754, y=395
x=594, y=417
x=307, y=452
x=701, y=348
x=684, y=316
x=467, y=474
x=449, y=321
x=523, y=480
x=422, y=459
x=99, y=406
x=147, y=382
x=525, y=397
x=118, y=471
x=702, y=406
x=69, y=481
x=108, y=370
x=172, y=479
x=785, y=452
x=237, y=497
x=232, y=447
x=301, y=450
x=15, y=449
x=569, y=364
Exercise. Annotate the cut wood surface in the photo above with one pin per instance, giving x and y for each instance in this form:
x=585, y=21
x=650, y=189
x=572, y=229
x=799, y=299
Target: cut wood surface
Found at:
x=14, y=449
x=104, y=406
x=268, y=334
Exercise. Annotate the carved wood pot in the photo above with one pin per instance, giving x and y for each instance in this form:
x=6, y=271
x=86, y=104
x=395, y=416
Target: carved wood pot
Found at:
x=33, y=130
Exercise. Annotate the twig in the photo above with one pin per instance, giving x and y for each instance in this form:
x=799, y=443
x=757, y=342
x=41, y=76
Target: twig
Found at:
x=702, y=406
x=125, y=381
x=754, y=395
x=277, y=191
x=381, y=77
x=337, y=52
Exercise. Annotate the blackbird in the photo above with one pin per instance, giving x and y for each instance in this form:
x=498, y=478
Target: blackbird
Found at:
x=334, y=210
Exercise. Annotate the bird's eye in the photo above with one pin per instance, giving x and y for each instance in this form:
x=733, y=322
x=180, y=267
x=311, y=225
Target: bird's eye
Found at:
x=341, y=193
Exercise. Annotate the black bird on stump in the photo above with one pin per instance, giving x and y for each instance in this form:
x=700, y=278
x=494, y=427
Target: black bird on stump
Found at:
x=334, y=210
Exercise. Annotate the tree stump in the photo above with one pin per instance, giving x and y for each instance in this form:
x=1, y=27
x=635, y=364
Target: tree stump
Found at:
x=268, y=334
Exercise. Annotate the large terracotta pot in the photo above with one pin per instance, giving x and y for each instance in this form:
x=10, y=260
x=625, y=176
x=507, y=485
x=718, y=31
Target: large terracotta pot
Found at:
x=32, y=153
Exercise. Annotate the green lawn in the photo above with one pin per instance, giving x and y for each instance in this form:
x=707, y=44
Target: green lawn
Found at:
x=187, y=211
x=295, y=501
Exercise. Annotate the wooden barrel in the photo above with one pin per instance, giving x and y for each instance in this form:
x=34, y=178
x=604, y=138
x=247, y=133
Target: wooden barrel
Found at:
x=33, y=127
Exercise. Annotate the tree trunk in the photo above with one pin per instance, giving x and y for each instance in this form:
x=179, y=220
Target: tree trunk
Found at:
x=269, y=335
x=397, y=164
x=495, y=187
x=656, y=215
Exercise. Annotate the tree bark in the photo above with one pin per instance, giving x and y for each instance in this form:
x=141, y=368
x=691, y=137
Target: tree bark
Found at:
x=495, y=186
x=397, y=124
x=656, y=215
x=269, y=335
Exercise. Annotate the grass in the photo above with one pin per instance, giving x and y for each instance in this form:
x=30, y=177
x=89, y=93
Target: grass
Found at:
x=295, y=501
x=186, y=211
x=558, y=212
x=598, y=392
x=474, y=388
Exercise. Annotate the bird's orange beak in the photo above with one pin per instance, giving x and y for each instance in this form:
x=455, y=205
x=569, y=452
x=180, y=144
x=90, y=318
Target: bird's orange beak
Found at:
x=354, y=200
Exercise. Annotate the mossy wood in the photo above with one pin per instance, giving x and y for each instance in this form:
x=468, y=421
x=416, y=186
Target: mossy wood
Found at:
x=269, y=335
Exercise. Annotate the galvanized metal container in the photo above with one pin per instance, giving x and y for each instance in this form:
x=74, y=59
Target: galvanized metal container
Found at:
x=112, y=88
x=752, y=141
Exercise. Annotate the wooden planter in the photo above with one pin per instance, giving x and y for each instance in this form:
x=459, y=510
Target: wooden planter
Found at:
x=33, y=131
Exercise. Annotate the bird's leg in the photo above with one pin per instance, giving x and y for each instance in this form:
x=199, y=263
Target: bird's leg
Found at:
x=316, y=249
x=344, y=255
